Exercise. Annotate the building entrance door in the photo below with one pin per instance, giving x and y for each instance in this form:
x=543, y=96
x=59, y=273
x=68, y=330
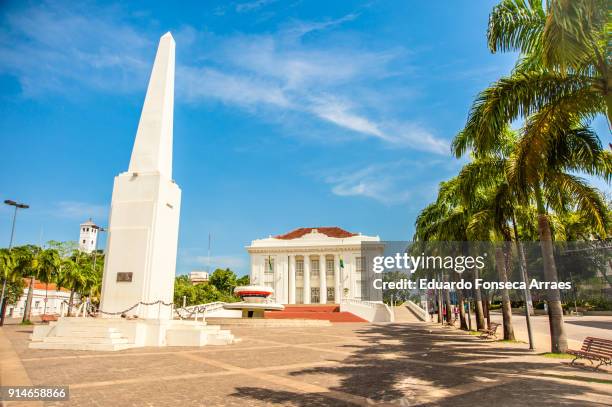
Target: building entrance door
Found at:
x=314, y=295
x=331, y=292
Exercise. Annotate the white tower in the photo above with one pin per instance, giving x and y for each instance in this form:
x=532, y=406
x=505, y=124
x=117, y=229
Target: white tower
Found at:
x=144, y=218
x=88, y=237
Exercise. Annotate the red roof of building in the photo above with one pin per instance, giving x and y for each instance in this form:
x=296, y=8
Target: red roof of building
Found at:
x=39, y=285
x=333, y=231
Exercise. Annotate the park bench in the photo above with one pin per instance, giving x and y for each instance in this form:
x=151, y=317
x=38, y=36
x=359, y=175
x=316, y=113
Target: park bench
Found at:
x=594, y=349
x=490, y=332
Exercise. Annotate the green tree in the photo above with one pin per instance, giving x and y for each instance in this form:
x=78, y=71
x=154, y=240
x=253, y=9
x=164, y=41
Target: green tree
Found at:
x=14, y=290
x=447, y=220
x=560, y=82
x=244, y=280
x=223, y=280
x=183, y=288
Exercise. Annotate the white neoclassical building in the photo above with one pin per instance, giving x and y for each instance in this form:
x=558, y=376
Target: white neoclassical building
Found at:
x=311, y=265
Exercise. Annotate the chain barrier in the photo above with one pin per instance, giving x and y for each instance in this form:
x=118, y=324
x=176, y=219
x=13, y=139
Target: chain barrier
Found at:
x=93, y=310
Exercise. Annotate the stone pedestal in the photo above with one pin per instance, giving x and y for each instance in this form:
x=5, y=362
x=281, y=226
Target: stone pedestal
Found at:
x=111, y=334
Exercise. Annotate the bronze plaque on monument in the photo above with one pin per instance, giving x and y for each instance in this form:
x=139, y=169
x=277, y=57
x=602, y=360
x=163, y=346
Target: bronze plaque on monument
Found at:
x=124, y=277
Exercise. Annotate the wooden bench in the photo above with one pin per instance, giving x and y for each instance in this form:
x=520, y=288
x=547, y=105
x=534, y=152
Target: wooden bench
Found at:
x=594, y=349
x=488, y=333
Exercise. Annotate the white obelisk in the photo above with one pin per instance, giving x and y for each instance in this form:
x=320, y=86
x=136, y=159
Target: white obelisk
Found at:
x=144, y=218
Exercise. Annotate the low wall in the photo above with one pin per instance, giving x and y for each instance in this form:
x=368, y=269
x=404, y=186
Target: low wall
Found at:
x=368, y=310
x=224, y=313
x=417, y=310
x=267, y=323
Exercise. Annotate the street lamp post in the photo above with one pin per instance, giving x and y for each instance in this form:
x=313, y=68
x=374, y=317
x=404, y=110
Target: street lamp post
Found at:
x=2, y=299
x=100, y=229
x=95, y=256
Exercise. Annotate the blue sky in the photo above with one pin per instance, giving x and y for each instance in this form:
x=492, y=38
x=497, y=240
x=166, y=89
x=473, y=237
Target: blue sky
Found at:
x=287, y=113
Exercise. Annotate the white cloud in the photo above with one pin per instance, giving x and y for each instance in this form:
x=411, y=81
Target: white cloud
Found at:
x=341, y=115
x=252, y=5
x=231, y=262
x=279, y=75
x=80, y=210
x=374, y=181
x=393, y=183
x=55, y=48
x=194, y=259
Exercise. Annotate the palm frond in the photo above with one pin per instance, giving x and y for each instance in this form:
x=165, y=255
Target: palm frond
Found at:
x=516, y=25
x=588, y=200
x=520, y=95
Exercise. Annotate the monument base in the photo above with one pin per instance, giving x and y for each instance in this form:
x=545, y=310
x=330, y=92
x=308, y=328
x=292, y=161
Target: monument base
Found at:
x=111, y=334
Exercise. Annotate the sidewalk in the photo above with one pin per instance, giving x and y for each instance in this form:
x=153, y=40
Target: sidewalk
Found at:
x=405, y=364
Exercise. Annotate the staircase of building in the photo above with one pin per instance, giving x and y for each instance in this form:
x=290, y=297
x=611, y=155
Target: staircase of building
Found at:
x=404, y=314
x=329, y=312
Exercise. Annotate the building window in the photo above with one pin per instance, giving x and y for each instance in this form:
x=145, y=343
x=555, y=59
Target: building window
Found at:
x=269, y=265
x=299, y=297
x=299, y=268
x=331, y=294
x=359, y=290
x=83, y=241
x=314, y=267
x=315, y=294
x=329, y=267
x=360, y=263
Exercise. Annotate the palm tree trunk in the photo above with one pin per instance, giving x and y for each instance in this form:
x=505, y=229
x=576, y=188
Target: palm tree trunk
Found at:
x=523, y=265
x=500, y=263
x=28, y=306
x=480, y=324
x=439, y=306
x=558, y=339
x=461, y=304
x=486, y=308
x=447, y=303
x=46, y=298
x=70, y=302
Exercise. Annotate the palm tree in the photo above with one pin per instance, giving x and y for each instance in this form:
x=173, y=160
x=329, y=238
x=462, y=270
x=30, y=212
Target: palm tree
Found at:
x=540, y=171
x=563, y=71
x=447, y=220
x=48, y=264
x=36, y=263
x=70, y=277
x=549, y=181
x=7, y=266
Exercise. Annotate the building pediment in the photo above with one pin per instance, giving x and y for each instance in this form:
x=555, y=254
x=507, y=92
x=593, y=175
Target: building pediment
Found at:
x=309, y=237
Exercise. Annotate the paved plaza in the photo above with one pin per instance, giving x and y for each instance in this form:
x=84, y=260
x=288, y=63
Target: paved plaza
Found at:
x=401, y=364
x=576, y=329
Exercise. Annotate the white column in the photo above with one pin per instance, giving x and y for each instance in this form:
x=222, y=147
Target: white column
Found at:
x=278, y=271
x=291, y=279
x=322, y=280
x=338, y=280
x=306, y=279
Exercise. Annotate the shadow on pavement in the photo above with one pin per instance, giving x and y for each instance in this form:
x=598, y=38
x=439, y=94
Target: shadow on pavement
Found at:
x=410, y=364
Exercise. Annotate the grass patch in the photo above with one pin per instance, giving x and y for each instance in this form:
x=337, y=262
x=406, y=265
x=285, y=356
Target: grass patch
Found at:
x=475, y=333
x=557, y=355
x=26, y=323
x=510, y=341
x=580, y=378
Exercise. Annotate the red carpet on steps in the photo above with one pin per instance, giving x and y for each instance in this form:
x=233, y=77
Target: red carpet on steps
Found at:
x=329, y=312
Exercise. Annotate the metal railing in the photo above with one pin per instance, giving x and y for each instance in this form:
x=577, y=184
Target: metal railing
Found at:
x=197, y=311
